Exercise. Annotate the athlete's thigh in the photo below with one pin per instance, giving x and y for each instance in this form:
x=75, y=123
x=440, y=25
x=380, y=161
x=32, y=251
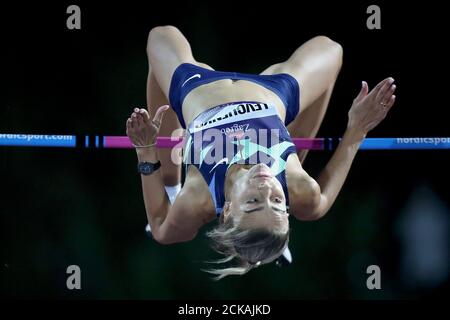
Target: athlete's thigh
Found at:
x=167, y=48
x=315, y=65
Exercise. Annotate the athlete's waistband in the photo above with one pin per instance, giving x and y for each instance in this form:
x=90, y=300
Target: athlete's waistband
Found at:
x=232, y=112
x=187, y=77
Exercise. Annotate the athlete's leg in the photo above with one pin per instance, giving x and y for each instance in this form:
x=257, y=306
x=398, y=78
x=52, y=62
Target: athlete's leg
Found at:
x=308, y=123
x=170, y=158
x=167, y=48
x=315, y=66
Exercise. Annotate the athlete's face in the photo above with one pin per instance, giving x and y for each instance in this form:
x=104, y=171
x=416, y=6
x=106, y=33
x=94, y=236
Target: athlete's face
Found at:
x=257, y=200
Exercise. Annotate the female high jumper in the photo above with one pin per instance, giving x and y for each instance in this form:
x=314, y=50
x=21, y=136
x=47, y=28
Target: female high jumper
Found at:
x=240, y=163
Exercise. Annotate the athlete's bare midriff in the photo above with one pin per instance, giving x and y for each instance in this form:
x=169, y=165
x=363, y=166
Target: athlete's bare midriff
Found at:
x=224, y=91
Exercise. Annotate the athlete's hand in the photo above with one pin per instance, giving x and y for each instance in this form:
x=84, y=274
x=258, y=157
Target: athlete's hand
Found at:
x=140, y=129
x=369, y=109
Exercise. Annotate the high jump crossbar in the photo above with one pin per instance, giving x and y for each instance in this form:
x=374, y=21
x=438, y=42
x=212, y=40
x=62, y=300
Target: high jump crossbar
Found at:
x=123, y=142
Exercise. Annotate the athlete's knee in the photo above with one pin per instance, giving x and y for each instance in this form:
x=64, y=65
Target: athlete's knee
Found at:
x=328, y=42
x=332, y=46
x=163, y=31
x=337, y=50
x=159, y=34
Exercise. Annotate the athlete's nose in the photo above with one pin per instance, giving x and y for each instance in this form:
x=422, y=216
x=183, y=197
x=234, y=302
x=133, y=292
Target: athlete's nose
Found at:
x=264, y=188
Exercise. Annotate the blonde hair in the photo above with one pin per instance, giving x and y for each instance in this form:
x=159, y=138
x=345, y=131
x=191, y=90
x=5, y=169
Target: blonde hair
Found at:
x=251, y=247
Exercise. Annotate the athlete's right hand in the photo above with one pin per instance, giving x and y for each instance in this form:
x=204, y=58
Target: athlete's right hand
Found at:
x=140, y=129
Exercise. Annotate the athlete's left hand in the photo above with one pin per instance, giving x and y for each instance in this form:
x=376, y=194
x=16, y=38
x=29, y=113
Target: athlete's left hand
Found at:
x=369, y=109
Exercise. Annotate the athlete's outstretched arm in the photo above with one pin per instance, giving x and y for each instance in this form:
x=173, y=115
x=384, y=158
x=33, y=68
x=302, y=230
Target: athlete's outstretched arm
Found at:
x=167, y=221
x=367, y=111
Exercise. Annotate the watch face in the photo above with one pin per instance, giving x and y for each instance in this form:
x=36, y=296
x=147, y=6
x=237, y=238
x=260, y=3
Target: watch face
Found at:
x=146, y=168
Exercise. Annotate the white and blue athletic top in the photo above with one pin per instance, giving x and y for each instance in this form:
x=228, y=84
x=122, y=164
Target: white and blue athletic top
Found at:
x=237, y=133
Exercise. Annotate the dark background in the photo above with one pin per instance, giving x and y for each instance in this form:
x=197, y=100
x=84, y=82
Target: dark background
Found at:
x=61, y=206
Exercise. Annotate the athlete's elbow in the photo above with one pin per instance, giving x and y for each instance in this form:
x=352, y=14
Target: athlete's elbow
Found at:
x=159, y=237
x=318, y=205
x=168, y=239
x=316, y=215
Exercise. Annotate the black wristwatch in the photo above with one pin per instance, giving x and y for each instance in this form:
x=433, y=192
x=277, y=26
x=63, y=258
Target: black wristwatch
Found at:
x=147, y=168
